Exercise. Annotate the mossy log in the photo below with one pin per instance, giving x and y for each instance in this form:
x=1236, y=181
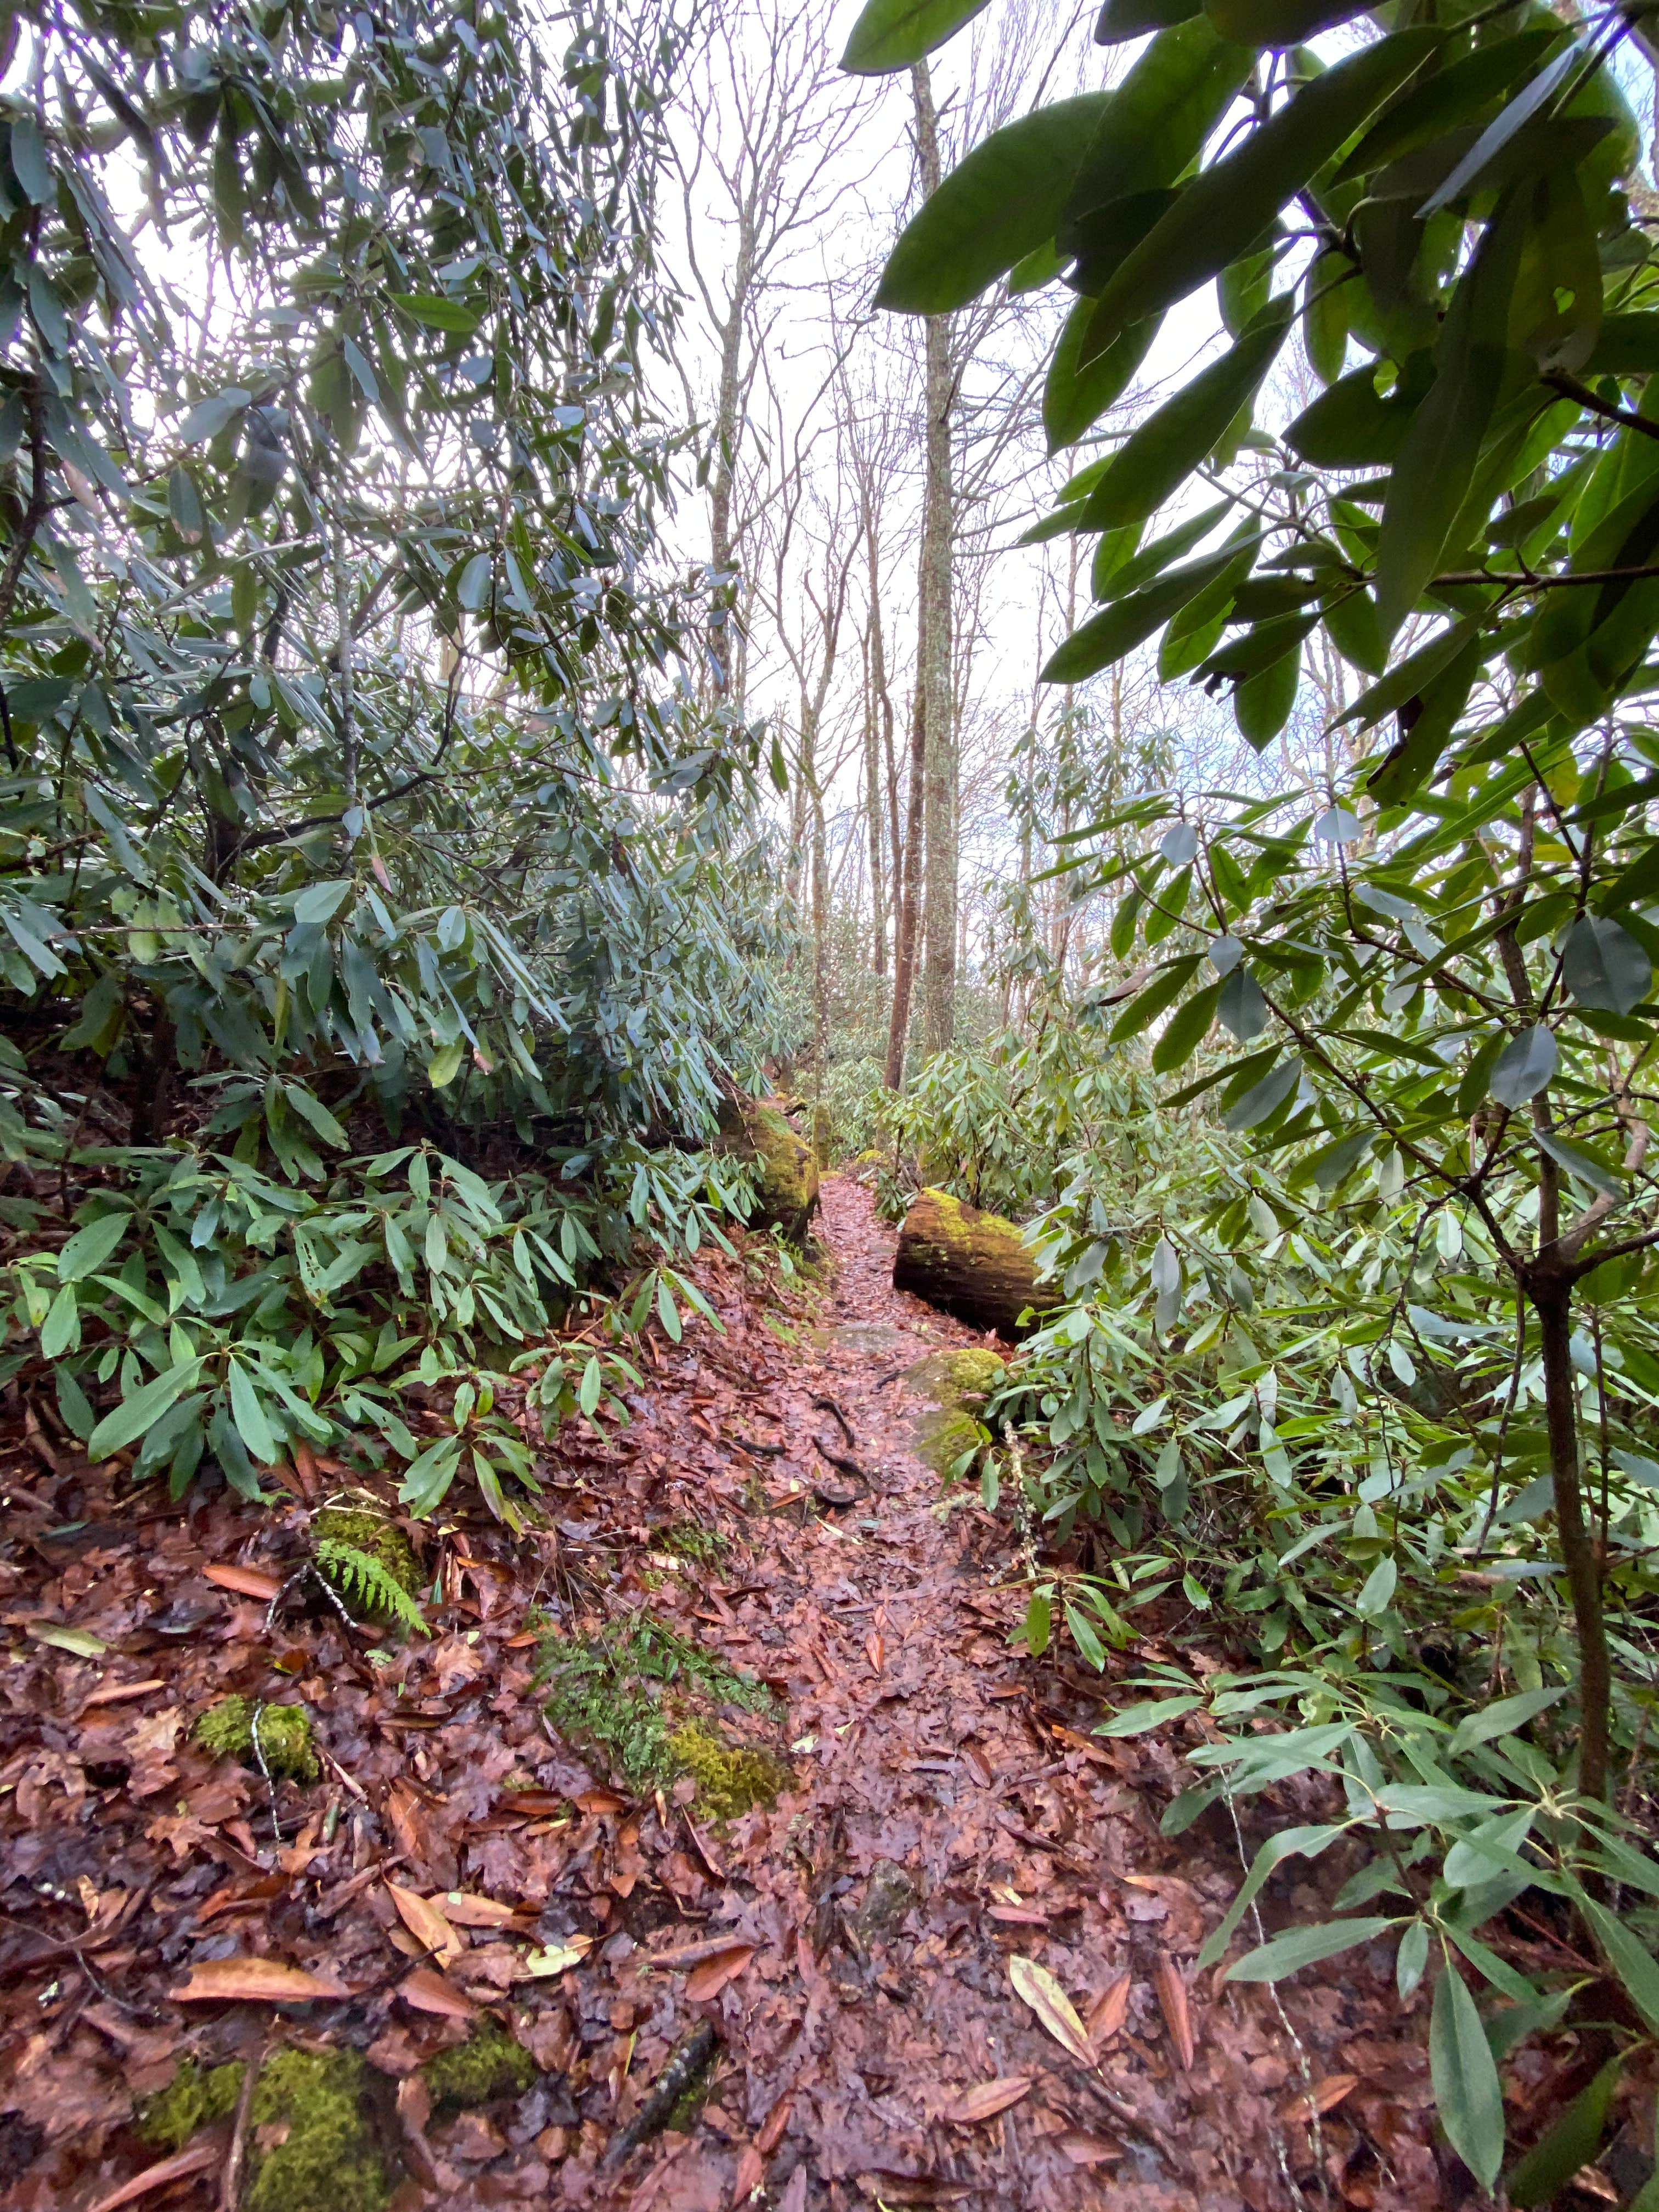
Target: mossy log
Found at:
x=975, y=1265
x=787, y=1194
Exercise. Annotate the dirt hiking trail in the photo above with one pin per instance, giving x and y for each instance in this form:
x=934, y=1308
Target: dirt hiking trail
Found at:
x=849, y=1958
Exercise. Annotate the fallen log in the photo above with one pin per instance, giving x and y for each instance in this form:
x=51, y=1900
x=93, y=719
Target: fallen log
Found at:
x=975, y=1265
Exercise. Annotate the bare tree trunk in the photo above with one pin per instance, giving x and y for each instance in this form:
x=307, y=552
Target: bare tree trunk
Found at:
x=876, y=704
x=1551, y=1292
x=820, y=946
x=933, y=641
x=904, y=946
x=723, y=605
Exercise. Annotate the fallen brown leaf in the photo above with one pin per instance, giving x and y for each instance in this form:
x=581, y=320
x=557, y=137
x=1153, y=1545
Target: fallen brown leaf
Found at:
x=1039, y=1989
x=987, y=2099
x=1084, y=2149
x=688, y=1955
x=1324, y=2097
x=115, y=1693
x=751, y=2172
x=911, y=2188
x=423, y=1918
x=708, y=1980
x=196, y=2158
x=428, y=1992
x=1172, y=1996
x=773, y=2126
x=246, y=1582
x=1107, y=2012
x=1017, y=1916
x=462, y=1911
x=254, y=1981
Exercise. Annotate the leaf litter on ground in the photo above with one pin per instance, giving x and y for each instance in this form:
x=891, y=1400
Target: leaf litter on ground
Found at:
x=879, y=2032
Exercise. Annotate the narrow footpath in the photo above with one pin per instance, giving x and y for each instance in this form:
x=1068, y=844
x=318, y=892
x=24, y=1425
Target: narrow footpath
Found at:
x=867, y=1966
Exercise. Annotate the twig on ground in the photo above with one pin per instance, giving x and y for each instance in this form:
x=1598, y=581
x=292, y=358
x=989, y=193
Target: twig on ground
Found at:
x=686, y=2062
x=230, y=2181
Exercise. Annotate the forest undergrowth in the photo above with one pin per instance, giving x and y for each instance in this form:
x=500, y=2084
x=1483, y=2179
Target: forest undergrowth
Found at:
x=901, y=1932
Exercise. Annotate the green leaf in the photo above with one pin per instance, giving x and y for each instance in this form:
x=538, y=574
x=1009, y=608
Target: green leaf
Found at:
x=1147, y=1004
x=436, y=311
x=1305, y=1946
x=208, y=416
x=1177, y=92
x=80, y=1642
x=891, y=34
x=1452, y=95
x=1265, y=1097
x=1441, y=443
x=1140, y=568
x=135, y=1413
x=31, y=164
x=444, y=1065
x=1466, y=2085
x=1583, y=1165
x=60, y=1332
x=1074, y=398
x=1604, y=967
x=1037, y=1624
x=1264, y=702
x=318, y=903
x=248, y=1412
x=1159, y=455
x=998, y=204
x=86, y=1252
x=1137, y=1720
x=1132, y=19
x=1350, y=425
x=1378, y=1593
x=1125, y=623
x=314, y=1110
x=1226, y=209
x=1278, y=22
x=1571, y=2142
x=1524, y=1068
x=1287, y=1843
x=1186, y=1031
x=1500, y=1719
x=1627, y=1955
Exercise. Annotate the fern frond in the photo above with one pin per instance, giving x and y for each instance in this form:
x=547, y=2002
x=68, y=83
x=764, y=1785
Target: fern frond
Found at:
x=366, y=1582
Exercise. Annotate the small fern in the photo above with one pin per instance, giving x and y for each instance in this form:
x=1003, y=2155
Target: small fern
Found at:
x=366, y=1582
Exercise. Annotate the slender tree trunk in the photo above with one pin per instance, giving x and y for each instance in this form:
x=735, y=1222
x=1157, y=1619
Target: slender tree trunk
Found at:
x=904, y=946
x=723, y=609
x=933, y=641
x=879, y=706
x=1551, y=1298
x=820, y=946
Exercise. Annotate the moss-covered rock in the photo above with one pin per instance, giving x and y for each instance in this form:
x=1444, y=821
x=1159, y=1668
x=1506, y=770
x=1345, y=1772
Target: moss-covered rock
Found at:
x=963, y=1377
x=284, y=1749
x=958, y=1382
x=787, y=1189
x=312, y=2146
x=368, y=1530
x=489, y=2065
x=730, y=1779
x=195, y=2098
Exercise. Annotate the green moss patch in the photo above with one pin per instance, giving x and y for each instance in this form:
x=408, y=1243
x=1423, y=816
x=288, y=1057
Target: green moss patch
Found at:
x=312, y=2141
x=939, y=1438
x=489, y=2065
x=284, y=1746
x=730, y=1781
x=635, y=1696
x=195, y=2098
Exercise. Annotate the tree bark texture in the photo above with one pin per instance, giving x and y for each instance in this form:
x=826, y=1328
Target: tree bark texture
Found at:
x=935, y=640
x=1551, y=1298
x=975, y=1265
